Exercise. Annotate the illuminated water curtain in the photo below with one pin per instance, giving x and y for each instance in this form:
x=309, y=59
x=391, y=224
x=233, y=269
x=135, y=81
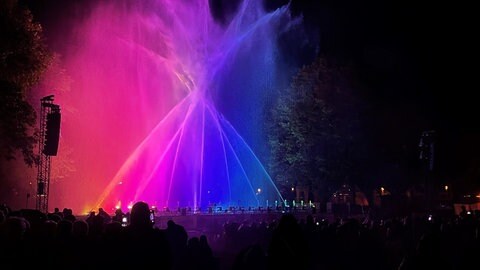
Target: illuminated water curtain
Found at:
x=194, y=157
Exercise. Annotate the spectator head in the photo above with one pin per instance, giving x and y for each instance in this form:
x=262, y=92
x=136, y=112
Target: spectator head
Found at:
x=70, y=218
x=140, y=215
x=49, y=229
x=80, y=228
x=67, y=211
x=119, y=212
x=64, y=228
x=193, y=242
x=113, y=229
x=203, y=240
x=55, y=217
x=15, y=228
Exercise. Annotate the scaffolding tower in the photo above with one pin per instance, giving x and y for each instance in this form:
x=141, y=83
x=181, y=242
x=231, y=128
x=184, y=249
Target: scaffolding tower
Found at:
x=48, y=143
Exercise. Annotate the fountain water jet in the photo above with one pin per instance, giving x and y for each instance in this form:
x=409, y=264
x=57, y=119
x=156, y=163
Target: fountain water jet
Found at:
x=194, y=156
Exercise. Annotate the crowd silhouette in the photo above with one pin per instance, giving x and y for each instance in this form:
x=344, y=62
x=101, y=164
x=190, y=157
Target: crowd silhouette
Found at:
x=62, y=240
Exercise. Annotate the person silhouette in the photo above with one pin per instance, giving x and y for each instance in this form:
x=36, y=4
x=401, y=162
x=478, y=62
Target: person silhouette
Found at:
x=288, y=245
x=177, y=237
x=106, y=217
x=144, y=241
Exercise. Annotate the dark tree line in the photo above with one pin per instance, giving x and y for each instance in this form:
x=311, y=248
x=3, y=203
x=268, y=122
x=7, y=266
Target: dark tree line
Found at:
x=315, y=128
x=23, y=59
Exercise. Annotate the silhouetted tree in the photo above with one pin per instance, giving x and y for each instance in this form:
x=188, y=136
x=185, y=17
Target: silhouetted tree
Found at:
x=314, y=126
x=23, y=59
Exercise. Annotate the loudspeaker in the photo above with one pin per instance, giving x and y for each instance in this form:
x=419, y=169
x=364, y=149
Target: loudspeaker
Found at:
x=52, y=134
x=41, y=188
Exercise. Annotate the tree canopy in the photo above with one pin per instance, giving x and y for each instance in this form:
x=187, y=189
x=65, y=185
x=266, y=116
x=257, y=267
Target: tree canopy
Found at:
x=23, y=59
x=314, y=127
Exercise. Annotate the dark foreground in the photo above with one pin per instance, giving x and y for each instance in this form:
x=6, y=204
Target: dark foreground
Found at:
x=236, y=241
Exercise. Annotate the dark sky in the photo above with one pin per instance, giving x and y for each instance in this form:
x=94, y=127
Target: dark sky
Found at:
x=416, y=61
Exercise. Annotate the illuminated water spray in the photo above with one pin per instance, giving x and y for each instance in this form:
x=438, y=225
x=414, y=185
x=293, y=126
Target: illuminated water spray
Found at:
x=194, y=156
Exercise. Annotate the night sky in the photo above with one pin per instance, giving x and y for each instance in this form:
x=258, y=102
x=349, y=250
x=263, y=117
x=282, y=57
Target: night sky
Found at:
x=417, y=63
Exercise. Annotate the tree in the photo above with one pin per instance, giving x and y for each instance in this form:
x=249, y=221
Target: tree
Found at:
x=23, y=59
x=314, y=127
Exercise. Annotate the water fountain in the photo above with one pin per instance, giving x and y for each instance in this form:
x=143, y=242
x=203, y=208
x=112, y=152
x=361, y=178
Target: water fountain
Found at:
x=188, y=89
